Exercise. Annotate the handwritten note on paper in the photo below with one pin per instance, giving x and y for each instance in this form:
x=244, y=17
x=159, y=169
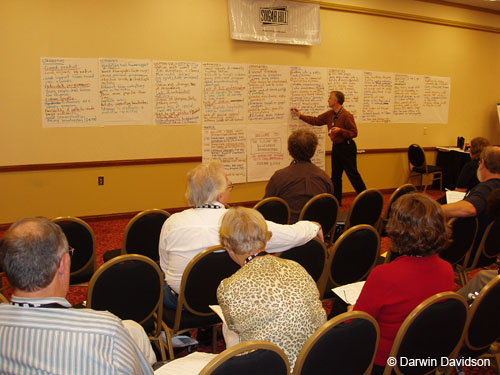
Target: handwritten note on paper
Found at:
x=408, y=98
x=378, y=96
x=267, y=93
x=226, y=144
x=224, y=93
x=125, y=89
x=308, y=90
x=350, y=82
x=267, y=150
x=177, y=92
x=436, y=99
x=69, y=88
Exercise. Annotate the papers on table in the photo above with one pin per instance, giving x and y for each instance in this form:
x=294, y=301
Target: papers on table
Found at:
x=188, y=365
x=454, y=196
x=350, y=292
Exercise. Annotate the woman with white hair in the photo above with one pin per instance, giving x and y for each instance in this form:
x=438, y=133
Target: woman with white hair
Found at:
x=185, y=234
x=269, y=298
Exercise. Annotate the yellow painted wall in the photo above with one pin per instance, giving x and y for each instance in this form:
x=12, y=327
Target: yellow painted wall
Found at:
x=196, y=30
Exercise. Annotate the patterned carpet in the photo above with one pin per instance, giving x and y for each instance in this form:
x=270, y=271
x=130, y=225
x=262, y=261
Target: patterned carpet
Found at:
x=108, y=235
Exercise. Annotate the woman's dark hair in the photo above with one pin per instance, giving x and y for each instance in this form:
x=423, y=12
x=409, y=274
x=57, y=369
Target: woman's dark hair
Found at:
x=417, y=226
x=477, y=145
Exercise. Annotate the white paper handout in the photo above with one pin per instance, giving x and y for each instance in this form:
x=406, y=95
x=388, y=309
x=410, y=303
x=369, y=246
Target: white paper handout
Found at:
x=188, y=365
x=454, y=196
x=350, y=292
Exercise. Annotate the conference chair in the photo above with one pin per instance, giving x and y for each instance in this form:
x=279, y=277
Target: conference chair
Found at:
x=365, y=209
x=312, y=256
x=249, y=358
x=322, y=208
x=418, y=167
x=354, y=254
x=487, y=252
x=433, y=330
x=483, y=325
x=399, y=192
x=464, y=232
x=345, y=344
x=198, y=290
x=81, y=238
x=274, y=209
x=131, y=287
x=141, y=235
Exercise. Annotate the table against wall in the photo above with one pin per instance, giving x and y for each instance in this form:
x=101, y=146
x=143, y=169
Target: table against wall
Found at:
x=451, y=160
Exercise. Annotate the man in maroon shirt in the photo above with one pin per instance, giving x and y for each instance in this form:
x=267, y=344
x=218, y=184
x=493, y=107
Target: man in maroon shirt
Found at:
x=342, y=129
x=301, y=180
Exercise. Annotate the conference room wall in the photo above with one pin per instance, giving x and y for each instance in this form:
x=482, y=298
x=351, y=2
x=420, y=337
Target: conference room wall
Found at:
x=75, y=192
x=196, y=30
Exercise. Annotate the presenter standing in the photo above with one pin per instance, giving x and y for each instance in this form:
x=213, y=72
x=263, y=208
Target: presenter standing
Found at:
x=342, y=129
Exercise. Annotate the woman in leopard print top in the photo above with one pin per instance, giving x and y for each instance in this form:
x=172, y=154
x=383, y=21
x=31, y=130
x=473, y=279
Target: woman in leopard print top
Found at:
x=269, y=298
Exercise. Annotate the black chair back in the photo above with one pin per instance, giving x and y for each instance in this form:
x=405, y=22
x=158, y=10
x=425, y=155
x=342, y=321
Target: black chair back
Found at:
x=339, y=347
x=312, y=256
x=142, y=233
x=432, y=330
x=80, y=237
x=249, y=358
x=366, y=209
x=398, y=193
x=354, y=254
x=416, y=156
x=129, y=286
x=489, y=248
x=492, y=241
x=202, y=278
x=274, y=209
x=463, y=233
x=322, y=208
x=483, y=327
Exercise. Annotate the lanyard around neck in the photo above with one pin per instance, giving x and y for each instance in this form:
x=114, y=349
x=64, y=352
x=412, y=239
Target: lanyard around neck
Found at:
x=262, y=253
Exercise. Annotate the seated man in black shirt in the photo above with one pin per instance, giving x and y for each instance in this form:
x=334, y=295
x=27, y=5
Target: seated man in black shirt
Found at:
x=474, y=203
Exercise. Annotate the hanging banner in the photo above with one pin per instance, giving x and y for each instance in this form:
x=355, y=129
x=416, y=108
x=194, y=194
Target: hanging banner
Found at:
x=274, y=21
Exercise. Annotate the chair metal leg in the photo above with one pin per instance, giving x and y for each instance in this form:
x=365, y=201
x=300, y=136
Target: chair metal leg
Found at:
x=214, y=338
x=168, y=341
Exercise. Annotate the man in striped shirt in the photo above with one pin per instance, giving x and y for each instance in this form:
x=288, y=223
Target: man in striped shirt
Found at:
x=39, y=332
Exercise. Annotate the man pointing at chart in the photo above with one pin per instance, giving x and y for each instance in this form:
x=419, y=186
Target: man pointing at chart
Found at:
x=342, y=129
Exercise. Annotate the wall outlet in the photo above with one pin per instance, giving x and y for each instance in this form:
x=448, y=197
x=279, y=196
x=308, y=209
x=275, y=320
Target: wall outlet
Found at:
x=100, y=180
x=425, y=130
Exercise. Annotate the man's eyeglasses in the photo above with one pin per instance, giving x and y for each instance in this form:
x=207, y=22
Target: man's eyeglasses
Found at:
x=70, y=251
x=230, y=186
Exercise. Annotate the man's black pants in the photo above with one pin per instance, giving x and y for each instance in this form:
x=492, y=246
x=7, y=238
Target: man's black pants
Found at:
x=344, y=159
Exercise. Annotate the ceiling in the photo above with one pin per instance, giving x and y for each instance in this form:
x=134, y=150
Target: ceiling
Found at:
x=493, y=5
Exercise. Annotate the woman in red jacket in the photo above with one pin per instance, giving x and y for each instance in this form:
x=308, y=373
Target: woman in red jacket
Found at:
x=418, y=230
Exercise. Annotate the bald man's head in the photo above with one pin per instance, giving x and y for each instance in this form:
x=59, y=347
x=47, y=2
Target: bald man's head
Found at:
x=30, y=252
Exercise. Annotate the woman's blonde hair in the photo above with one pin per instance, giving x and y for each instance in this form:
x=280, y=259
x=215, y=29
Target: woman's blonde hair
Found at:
x=243, y=230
